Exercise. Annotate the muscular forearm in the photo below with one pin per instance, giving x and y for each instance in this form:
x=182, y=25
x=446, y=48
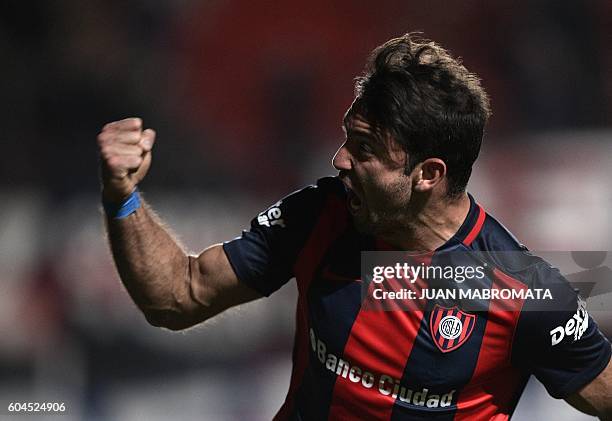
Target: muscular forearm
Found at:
x=152, y=265
x=172, y=289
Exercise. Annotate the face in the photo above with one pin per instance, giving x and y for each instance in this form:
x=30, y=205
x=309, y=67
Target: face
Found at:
x=373, y=172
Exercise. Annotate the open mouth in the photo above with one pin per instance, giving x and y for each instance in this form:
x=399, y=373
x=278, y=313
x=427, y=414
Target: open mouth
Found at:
x=354, y=202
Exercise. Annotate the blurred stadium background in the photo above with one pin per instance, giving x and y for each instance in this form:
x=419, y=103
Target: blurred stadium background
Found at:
x=247, y=99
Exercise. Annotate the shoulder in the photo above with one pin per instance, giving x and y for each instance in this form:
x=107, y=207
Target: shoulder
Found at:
x=263, y=256
x=304, y=205
x=494, y=236
x=554, y=336
x=325, y=188
x=331, y=185
x=496, y=244
x=547, y=289
x=305, y=201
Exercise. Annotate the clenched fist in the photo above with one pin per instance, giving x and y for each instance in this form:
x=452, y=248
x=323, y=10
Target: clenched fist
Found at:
x=125, y=151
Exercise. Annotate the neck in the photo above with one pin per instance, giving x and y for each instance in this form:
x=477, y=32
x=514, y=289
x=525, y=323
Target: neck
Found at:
x=430, y=224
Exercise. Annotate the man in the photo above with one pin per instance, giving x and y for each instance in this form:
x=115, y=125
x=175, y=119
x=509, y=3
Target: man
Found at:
x=412, y=134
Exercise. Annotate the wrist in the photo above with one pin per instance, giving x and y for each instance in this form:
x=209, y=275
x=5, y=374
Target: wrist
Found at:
x=123, y=208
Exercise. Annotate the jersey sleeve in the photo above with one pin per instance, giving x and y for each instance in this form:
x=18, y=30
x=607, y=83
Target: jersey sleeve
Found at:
x=263, y=256
x=556, y=339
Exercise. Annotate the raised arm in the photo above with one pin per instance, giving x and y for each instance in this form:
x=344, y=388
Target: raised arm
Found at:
x=172, y=289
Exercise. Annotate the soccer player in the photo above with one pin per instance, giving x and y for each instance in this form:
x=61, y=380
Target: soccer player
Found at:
x=413, y=133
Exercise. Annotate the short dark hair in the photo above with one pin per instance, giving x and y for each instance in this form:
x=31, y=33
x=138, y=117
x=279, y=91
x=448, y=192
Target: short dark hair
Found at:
x=428, y=101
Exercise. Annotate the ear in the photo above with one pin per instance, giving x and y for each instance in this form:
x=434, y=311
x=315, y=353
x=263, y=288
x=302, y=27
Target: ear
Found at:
x=428, y=174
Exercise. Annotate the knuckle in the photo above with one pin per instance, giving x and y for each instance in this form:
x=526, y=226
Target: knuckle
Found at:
x=103, y=138
x=113, y=125
x=134, y=122
x=113, y=161
x=106, y=153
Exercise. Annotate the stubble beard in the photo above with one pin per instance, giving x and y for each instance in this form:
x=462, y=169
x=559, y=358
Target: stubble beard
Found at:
x=387, y=213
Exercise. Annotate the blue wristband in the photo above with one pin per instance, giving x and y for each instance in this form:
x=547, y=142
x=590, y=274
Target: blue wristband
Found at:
x=124, y=209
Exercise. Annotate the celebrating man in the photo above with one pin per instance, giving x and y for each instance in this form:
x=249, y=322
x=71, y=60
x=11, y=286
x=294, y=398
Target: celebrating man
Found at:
x=413, y=133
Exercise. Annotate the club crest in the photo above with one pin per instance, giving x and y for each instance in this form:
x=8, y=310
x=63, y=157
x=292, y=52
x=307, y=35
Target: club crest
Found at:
x=450, y=327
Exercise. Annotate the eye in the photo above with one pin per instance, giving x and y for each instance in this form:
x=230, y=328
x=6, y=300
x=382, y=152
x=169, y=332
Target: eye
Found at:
x=365, y=148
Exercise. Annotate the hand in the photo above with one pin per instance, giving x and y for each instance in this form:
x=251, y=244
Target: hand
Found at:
x=125, y=151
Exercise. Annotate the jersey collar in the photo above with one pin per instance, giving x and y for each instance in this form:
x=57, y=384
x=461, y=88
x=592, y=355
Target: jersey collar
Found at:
x=471, y=227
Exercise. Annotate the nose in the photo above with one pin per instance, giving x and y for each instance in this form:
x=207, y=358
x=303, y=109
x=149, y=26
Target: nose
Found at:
x=342, y=159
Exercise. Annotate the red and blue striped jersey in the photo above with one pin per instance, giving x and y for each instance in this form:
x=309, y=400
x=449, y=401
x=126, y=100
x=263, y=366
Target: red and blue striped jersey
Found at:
x=351, y=363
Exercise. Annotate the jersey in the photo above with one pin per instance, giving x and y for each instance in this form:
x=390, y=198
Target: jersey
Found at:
x=350, y=363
